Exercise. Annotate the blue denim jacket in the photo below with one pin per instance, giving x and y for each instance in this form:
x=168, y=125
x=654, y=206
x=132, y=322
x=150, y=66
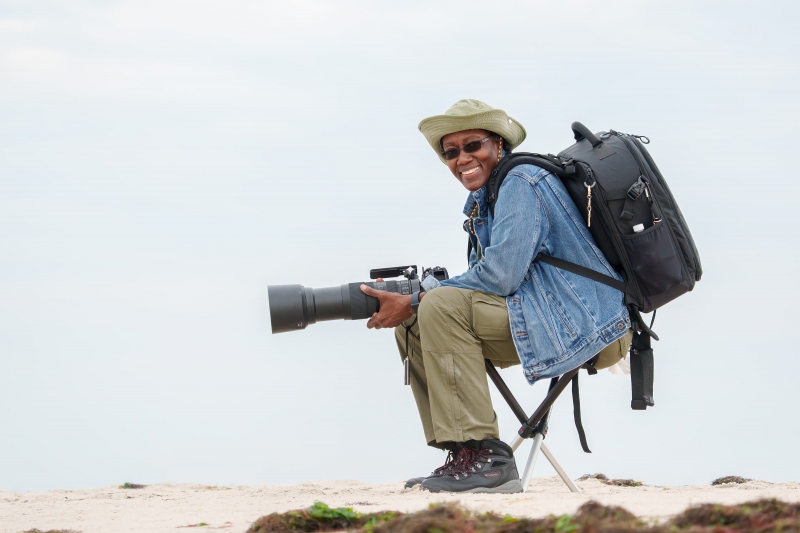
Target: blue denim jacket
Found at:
x=559, y=320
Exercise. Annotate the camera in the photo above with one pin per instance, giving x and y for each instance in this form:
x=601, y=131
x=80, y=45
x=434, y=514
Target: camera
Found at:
x=293, y=307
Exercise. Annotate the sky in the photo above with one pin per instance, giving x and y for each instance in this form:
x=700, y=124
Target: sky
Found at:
x=163, y=162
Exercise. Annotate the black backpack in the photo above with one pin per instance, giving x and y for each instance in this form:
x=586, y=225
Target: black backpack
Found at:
x=636, y=223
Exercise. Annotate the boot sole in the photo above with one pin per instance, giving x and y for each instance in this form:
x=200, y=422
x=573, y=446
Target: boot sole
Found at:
x=509, y=487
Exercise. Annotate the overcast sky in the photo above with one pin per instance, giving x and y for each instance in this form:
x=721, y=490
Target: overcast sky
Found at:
x=163, y=161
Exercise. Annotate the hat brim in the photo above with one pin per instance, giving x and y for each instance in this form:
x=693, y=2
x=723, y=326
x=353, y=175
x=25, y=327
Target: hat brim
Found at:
x=494, y=120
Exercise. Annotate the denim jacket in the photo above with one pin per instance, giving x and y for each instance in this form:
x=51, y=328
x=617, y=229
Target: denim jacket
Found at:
x=559, y=320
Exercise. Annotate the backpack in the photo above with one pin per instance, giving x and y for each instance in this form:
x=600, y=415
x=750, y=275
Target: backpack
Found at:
x=635, y=222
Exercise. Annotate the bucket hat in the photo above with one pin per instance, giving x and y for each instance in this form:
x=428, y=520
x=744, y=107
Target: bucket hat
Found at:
x=471, y=114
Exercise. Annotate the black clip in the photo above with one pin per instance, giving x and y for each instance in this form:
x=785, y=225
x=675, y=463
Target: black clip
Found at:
x=568, y=165
x=637, y=189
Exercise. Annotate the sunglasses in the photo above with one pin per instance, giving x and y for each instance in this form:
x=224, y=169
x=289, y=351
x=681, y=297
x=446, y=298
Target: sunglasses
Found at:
x=474, y=146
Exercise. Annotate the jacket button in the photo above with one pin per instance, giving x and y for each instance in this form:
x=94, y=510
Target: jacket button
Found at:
x=620, y=326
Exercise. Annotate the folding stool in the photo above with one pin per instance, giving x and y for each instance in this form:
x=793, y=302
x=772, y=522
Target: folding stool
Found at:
x=535, y=426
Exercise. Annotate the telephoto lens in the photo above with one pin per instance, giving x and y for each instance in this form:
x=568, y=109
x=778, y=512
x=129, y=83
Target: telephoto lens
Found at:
x=293, y=307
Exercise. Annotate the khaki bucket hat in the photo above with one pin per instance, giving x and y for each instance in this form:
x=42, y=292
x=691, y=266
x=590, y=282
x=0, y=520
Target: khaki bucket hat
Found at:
x=471, y=114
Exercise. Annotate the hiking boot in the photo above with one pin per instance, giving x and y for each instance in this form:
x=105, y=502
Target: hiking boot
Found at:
x=414, y=481
x=478, y=466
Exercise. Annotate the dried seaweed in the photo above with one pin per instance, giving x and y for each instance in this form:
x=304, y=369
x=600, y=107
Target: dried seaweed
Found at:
x=730, y=479
x=616, y=482
x=767, y=514
x=624, y=483
x=753, y=517
x=51, y=531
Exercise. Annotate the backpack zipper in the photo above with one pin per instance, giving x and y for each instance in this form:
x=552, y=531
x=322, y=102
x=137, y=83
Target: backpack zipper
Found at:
x=696, y=259
x=642, y=139
x=635, y=151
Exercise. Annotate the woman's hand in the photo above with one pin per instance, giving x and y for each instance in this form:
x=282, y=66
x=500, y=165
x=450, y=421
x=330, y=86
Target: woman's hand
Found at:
x=394, y=308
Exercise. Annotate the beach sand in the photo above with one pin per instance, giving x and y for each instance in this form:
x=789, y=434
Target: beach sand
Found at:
x=167, y=507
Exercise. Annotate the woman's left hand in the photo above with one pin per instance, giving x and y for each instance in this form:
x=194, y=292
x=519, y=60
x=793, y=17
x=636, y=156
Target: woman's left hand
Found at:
x=394, y=308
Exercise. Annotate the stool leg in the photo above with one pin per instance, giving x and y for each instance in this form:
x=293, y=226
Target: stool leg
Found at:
x=550, y=457
x=526, y=476
x=528, y=473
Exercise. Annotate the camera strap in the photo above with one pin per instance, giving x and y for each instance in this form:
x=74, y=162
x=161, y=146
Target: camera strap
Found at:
x=407, y=360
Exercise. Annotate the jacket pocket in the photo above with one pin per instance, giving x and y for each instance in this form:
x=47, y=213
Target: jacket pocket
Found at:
x=561, y=315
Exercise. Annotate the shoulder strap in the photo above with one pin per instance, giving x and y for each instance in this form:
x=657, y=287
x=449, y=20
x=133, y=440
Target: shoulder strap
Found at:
x=550, y=163
x=581, y=271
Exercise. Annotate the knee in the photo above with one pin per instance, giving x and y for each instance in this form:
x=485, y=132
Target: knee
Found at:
x=431, y=304
x=439, y=302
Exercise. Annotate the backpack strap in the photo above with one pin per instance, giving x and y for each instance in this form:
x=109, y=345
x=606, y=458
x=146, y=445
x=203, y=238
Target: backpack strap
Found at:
x=581, y=271
x=561, y=168
x=576, y=414
x=576, y=402
x=549, y=163
x=642, y=370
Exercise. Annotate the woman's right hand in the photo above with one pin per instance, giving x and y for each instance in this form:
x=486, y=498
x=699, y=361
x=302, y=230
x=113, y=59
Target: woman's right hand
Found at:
x=394, y=308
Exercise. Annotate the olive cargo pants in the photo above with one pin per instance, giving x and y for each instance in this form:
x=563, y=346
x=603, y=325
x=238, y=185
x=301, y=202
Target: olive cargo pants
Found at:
x=456, y=329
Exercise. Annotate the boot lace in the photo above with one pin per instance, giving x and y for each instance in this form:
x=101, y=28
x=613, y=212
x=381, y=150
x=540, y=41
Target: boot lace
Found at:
x=447, y=463
x=463, y=461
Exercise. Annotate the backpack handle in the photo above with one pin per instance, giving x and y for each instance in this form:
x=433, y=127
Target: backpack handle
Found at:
x=582, y=132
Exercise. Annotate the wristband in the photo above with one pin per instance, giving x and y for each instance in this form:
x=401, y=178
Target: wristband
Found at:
x=415, y=301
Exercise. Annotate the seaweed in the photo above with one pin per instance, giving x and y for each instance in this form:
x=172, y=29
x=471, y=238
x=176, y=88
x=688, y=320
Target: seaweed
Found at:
x=318, y=517
x=753, y=517
x=616, y=482
x=730, y=479
x=51, y=531
x=127, y=485
x=624, y=483
x=766, y=514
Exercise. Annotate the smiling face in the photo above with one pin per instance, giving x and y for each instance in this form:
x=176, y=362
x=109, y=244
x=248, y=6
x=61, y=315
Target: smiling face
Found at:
x=472, y=169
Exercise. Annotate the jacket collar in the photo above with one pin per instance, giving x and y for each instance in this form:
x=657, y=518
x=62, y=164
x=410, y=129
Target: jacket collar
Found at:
x=476, y=197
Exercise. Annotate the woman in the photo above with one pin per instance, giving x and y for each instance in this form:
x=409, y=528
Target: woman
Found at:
x=507, y=307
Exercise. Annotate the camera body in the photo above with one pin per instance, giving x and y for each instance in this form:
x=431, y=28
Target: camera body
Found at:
x=294, y=307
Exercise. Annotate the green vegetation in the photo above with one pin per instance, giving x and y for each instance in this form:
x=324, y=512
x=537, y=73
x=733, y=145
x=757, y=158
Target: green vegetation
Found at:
x=131, y=486
x=321, y=511
x=753, y=517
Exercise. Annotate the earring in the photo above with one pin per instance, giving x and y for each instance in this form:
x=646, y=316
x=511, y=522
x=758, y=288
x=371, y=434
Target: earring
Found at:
x=500, y=151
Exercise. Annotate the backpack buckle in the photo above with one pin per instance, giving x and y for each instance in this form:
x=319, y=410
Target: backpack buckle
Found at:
x=637, y=189
x=568, y=165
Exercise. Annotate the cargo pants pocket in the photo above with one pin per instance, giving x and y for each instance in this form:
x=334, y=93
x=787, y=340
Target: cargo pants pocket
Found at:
x=490, y=317
x=491, y=326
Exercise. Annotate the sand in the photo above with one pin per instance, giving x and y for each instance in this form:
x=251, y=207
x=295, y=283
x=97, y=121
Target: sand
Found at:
x=167, y=507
